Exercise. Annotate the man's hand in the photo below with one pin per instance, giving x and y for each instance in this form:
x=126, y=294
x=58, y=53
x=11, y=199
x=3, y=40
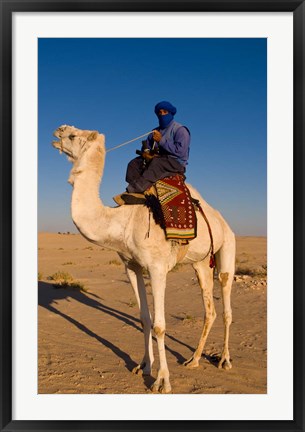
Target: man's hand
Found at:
x=157, y=136
x=147, y=155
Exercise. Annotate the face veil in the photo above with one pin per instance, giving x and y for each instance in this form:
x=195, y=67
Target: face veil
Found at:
x=164, y=120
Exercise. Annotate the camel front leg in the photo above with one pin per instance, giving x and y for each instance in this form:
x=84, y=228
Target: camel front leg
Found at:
x=134, y=273
x=205, y=279
x=158, y=283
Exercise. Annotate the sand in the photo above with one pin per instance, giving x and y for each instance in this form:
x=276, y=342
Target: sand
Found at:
x=90, y=336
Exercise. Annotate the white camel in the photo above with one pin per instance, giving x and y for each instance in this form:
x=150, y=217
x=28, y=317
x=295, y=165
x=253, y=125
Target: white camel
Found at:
x=124, y=229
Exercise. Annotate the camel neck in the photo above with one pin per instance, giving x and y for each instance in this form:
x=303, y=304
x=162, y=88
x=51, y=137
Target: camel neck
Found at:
x=86, y=207
x=97, y=223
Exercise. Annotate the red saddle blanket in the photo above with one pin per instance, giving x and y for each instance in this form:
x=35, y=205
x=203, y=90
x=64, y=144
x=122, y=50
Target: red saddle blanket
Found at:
x=177, y=216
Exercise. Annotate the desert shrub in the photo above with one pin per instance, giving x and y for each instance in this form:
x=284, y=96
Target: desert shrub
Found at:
x=131, y=303
x=61, y=277
x=65, y=280
x=188, y=319
x=261, y=271
x=264, y=267
x=244, y=271
x=114, y=262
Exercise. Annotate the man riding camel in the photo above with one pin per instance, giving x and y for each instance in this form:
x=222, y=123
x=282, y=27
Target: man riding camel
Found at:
x=164, y=153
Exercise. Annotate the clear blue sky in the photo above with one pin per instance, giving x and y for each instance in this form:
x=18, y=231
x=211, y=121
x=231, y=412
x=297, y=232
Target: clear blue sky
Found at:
x=219, y=87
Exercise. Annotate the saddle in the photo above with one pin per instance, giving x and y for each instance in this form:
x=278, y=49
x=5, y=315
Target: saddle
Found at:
x=171, y=204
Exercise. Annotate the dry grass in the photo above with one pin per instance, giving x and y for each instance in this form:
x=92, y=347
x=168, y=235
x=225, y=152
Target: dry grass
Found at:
x=65, y=280
x=243, y=270
x=131, y=303
x=115, y=262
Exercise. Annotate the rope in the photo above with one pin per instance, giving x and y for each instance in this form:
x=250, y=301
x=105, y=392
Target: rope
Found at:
x=127, y=142
x=212, y=263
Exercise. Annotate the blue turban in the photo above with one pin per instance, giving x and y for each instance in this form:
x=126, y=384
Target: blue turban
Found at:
x=164, y=120
x=167, y=106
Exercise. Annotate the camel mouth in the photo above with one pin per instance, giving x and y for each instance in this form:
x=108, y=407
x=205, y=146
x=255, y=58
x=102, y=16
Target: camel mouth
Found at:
x=59, y=146
x=56, y=144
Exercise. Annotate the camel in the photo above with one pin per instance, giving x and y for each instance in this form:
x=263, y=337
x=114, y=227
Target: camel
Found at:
x=124, y=230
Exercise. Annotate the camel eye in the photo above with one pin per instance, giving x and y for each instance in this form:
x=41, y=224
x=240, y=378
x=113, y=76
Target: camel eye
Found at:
x=71, y=136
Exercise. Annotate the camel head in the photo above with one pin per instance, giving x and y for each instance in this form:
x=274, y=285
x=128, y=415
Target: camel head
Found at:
x=74, y=142
x=81, y=147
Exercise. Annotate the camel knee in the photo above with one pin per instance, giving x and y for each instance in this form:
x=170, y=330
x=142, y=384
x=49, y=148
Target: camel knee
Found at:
x=159, y=331
x=223, y=278
x=210, y=316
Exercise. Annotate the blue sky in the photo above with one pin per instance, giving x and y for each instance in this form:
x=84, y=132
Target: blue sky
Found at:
x=219, y=87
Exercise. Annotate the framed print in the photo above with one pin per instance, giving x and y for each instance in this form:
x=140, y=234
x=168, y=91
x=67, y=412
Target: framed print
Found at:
x=183, y=128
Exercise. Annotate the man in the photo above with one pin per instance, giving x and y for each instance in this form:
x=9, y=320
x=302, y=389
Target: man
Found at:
x=164, y=153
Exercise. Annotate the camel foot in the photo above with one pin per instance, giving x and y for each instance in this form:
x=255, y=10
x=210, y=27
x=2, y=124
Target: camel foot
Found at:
x=141, y=369
x=161, y=386
x=225, y=364
x=191, y=363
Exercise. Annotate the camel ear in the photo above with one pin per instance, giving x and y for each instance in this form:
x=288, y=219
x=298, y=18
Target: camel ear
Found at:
x=93, y=135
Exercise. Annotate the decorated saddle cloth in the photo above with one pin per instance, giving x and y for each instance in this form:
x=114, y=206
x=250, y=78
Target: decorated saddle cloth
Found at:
x=174, y=210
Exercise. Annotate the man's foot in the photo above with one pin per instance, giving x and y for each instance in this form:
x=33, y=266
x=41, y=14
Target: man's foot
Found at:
x=129, y=198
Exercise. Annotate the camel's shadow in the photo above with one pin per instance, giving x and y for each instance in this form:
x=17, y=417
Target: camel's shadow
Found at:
x=49, y=296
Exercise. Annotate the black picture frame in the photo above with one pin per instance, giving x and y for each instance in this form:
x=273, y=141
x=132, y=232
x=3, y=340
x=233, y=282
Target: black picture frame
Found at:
x=7, y=9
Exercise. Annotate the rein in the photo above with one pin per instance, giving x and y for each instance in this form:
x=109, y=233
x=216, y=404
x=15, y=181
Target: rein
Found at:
x=127, y=142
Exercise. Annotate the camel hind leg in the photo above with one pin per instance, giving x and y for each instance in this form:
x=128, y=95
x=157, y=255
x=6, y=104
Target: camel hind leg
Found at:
x=205, y=277
x=225, y=262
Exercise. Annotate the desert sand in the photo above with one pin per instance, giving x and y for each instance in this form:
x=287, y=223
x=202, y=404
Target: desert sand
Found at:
x=90, y=336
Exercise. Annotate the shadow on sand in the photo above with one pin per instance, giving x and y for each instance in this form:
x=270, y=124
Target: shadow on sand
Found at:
x=49, y=296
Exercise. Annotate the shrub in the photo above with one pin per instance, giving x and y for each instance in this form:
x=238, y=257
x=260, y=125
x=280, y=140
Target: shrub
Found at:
x=244, y=271
x=114, y=262
x=65, y=280
x=261, y=271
